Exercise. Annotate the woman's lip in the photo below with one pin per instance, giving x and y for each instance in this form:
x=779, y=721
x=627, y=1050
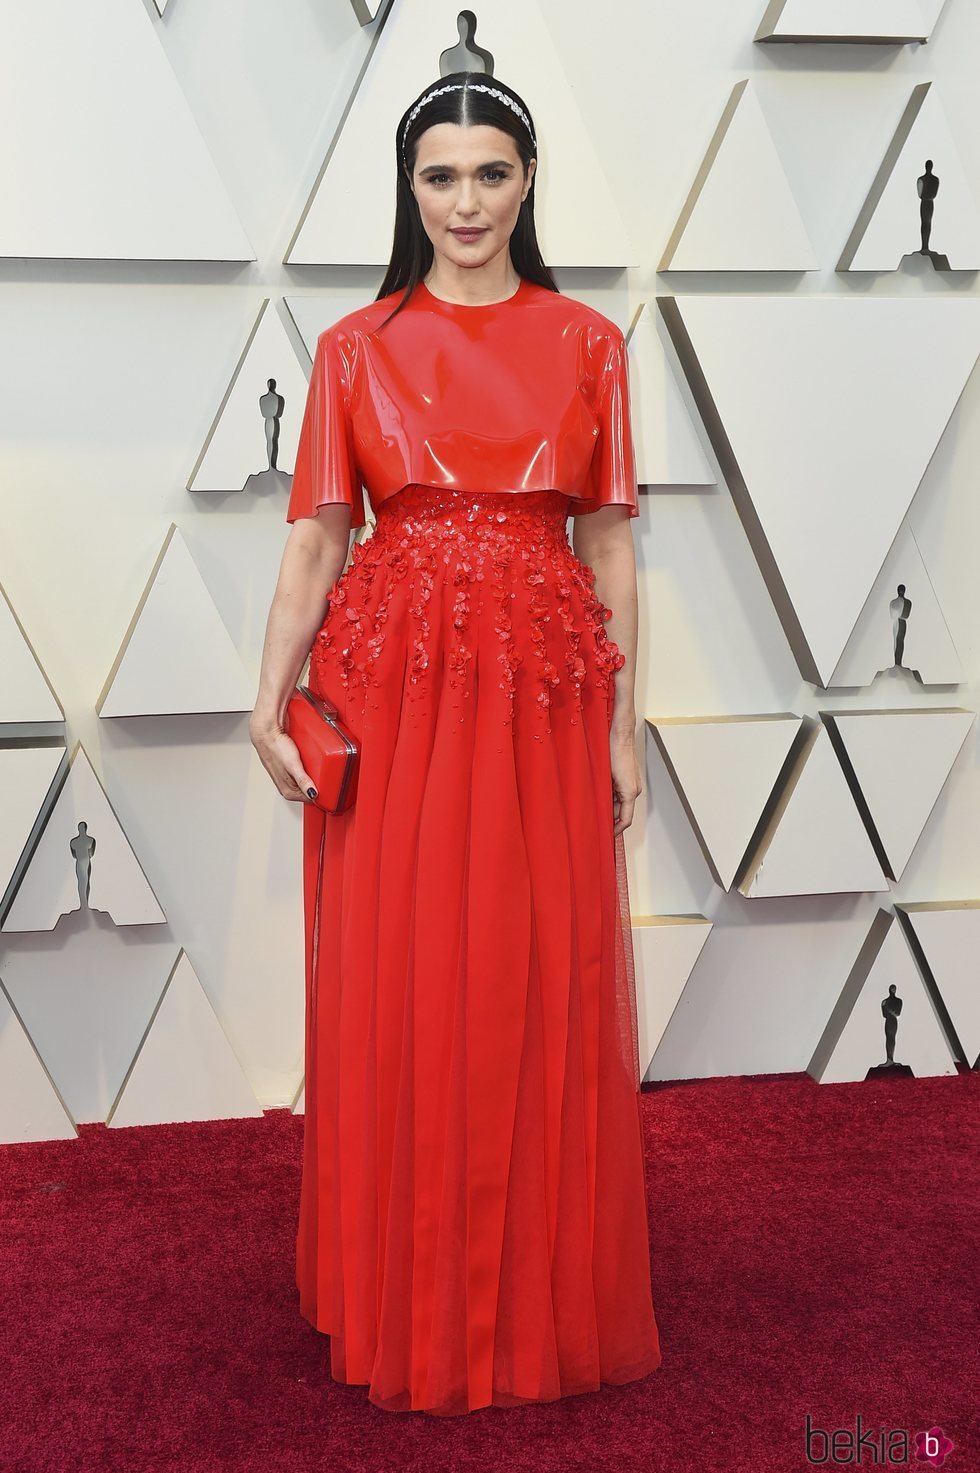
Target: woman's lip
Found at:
x=474, y=230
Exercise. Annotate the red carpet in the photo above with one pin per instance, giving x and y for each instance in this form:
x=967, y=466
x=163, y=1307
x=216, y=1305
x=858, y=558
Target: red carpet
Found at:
x=815, y=1251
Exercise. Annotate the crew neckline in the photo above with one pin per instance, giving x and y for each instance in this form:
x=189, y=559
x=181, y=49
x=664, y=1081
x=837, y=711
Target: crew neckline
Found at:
x=475, y=306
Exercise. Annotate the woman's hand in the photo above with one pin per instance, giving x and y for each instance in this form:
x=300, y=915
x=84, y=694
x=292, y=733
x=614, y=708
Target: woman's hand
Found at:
x=311, y=561
x=627, y=779
x=280, y=757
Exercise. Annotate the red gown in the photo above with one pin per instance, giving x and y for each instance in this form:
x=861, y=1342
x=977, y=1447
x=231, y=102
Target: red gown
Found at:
x=472, y=1222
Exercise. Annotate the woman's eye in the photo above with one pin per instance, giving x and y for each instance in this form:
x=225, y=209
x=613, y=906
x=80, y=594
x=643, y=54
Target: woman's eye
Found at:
x=493, y=175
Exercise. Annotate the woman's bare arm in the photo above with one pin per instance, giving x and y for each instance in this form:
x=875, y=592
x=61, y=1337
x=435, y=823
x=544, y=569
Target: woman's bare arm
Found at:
x=604, y=539
x=312, y=561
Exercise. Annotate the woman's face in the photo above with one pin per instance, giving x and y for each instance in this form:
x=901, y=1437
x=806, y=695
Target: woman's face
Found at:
x=469, y=178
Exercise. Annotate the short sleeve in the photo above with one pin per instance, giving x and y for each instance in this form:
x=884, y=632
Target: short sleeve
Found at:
x=326, y=466
x=612, y=473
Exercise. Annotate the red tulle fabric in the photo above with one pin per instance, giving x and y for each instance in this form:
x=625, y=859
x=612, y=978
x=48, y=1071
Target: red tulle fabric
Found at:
x=473, y=1224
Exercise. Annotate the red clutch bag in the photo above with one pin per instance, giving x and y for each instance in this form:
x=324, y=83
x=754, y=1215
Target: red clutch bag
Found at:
x=329, y=752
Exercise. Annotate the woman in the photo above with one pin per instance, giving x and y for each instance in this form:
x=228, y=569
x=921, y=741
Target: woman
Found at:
x=472, y=1215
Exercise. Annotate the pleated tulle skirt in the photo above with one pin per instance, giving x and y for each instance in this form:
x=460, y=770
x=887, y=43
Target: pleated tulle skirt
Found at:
x=472, y=1221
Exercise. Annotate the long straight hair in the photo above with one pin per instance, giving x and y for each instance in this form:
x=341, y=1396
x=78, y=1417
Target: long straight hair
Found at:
x=411, y=251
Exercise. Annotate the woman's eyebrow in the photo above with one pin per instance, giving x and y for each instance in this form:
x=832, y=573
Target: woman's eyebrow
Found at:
x=448, y=168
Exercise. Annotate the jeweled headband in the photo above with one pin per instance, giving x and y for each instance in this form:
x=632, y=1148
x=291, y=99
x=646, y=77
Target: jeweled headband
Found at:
x=468, y=87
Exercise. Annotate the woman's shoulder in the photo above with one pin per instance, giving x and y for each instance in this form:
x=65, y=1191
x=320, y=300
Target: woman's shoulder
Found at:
x=569, y=311
x=361, y=320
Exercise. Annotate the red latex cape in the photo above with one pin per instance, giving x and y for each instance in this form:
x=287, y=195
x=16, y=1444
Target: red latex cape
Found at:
x=527, y=394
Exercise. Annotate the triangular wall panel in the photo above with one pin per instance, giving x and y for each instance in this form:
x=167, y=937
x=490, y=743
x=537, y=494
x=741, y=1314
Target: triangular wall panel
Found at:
x=898, y=762
x=882, y=22
x=238, y=443
x=902, y=626
x=814, y=842
x=948, y=935
x=724, y=769
x=30, y=1107
x=823, y=412
x=30, y=777
x=84, y=994
x=888, y=228
x=64, y=867
x=854, y=1039
x=666, y=950
x=177, y=657
x=186, y=1068
x=26, y=694
x=740, y=214
x=129, y=177
x=667, y=445
x=366, y=10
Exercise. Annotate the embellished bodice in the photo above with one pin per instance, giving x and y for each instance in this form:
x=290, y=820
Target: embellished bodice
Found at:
x=527, y=394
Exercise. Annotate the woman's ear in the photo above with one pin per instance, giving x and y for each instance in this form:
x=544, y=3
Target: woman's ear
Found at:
x=532, y=165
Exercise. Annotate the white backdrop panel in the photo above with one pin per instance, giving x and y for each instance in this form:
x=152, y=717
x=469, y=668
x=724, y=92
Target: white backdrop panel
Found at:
x=889, y=225
x=177, y=656
x=815, y=843
x=666, y=950
x=854, y=1040
x=830, y=409
x=108, y=162
x=85, y=994
x=741, y=214
x=236, y=447
x=949, y=934
x=25, y=692
x=924, y=646
x=26, y=777
x=110, y=383
x=186, y=1068
x=887, y=21
x=901, y=761
x=51, y=883
x=667, y=443
x=725, y=769
x=30, y=1109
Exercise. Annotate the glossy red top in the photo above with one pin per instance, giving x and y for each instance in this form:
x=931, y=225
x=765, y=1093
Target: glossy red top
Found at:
x=527, y=394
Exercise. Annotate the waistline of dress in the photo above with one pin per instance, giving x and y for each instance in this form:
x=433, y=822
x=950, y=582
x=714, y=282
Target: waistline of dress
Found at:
x=427, y=501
